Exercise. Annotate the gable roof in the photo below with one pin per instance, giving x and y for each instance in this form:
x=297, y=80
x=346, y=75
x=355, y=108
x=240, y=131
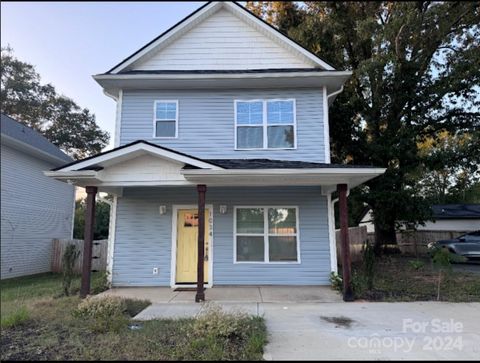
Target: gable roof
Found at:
x=203, y=13
x=91, y=162
x=30, y=138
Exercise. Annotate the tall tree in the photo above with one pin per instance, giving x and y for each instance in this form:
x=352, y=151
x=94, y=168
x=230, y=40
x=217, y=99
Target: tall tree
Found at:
x=415, y=76
x=38, y=106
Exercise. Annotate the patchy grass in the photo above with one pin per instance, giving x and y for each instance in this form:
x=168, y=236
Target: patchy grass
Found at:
x=51, y=330
x=397, y=278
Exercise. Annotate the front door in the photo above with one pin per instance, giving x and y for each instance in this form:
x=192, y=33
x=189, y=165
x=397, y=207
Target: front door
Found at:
x=187, y=242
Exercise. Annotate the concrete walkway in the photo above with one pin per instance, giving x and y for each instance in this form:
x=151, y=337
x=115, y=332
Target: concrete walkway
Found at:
x=231, y=294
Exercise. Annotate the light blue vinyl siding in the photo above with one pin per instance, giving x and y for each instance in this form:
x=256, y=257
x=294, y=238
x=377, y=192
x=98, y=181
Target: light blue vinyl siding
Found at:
x=206, y=122
x=143, y=237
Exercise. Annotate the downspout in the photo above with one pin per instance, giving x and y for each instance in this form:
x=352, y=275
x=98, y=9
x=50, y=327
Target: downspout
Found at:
x=335, y=93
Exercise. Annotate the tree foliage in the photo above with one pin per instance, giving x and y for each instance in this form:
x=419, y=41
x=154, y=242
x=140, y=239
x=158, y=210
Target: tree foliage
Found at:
x=40, y=107
x=415, y=78
x=102, y=219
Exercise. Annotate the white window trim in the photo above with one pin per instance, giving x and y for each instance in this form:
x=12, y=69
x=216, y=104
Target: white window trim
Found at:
x=265, y=124
x=155, y=119
x=265, y=235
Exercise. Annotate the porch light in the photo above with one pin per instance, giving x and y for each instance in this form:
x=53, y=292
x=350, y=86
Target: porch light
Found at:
x=163, y=209
x=223, y=209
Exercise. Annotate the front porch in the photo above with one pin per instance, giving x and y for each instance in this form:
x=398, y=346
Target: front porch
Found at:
x=150, y=182
x=231, y=294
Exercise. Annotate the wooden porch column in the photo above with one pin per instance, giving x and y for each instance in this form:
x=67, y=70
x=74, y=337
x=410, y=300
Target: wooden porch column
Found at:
x=200, y=296
x=88, y=241
x=346, y=261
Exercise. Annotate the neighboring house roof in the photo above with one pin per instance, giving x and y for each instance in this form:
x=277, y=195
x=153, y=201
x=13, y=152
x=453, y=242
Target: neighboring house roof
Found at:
x=224, y=71
x=456, y=211
x=31, y=139
x=204, y=12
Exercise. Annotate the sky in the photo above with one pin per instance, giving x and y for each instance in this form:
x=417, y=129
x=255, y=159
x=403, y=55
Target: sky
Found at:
x=68, y=42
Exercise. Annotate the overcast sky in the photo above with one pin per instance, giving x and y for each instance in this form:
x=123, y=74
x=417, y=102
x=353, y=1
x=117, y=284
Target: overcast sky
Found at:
x=68, y=42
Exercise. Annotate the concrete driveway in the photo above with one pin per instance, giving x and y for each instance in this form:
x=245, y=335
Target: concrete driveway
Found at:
x=373, y=331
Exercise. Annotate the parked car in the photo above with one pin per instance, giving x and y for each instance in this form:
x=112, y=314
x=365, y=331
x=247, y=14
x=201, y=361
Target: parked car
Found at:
x=466, y=245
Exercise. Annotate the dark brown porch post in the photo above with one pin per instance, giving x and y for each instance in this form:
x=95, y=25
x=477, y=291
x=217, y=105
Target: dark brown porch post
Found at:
x=346, y=262
x=88, y=240
x=200, y=296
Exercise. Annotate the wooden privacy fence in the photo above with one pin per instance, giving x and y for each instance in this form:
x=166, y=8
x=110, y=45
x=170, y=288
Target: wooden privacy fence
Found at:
x=415, y=242
x=99, y=253
x=358, y=236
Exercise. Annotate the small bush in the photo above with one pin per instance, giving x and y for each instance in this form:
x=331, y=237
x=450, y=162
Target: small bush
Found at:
x=369, y=264
x=103, y=314
x=100, y=282
x=18, y=317
x=217, y=323
x=69, y=258
x=416, y=264
x=336, y=281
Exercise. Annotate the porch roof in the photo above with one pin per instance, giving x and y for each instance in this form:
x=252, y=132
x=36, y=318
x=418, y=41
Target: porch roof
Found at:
x=145, y=164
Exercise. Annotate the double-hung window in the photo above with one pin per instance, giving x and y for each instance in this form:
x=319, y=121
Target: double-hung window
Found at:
x=266, y=235
x=265, y=124
x=165, y=121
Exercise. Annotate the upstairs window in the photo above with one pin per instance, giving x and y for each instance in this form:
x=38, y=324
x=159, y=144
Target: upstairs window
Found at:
x=265, y=124
x=166, y=119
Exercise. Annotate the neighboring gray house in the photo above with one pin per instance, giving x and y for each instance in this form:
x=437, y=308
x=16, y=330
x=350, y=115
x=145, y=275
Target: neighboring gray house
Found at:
x=35, y=209
x=221, y=100
x=445, y=217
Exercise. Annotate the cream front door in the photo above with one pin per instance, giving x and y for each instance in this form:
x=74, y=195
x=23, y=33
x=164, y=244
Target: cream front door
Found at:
x=187, y=242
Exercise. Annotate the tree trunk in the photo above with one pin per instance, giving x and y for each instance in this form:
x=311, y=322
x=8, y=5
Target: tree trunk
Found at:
x=384, y=234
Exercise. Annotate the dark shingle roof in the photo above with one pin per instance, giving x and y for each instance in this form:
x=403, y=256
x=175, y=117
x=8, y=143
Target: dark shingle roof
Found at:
x=456, y=211
x=272, y=164
x=26, y=135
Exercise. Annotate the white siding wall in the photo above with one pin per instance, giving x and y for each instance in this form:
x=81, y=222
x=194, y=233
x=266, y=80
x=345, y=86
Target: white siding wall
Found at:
x=222, y=41
x=35, y=209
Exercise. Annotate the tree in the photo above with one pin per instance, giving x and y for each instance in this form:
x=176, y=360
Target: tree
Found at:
x=38, y=106
x=415, y=76
x=102, y=219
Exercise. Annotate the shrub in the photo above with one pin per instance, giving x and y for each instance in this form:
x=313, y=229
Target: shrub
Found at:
x=100, y=282
x=69, y=258
x=214, y=322
x=336, y=281
x=16, y=318
x=416, y=264
x=103, y=314
x=369, y=264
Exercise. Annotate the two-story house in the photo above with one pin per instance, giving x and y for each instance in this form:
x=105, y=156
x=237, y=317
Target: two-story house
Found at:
x=221, y=168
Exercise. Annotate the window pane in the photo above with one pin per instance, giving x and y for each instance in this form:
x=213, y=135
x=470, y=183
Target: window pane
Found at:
x=282, y=220
x=250, y=249
x=249, y=137
x=166, y=111
x=280, y=136
x=249, y=113
x=282, y=248
x=250, y=220
x=165, y=129
x=280, y=112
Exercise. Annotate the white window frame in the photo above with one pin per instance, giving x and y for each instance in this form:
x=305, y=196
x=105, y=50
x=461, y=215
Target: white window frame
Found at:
x=155, y=119
x=266, y=235
x=265, y=124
